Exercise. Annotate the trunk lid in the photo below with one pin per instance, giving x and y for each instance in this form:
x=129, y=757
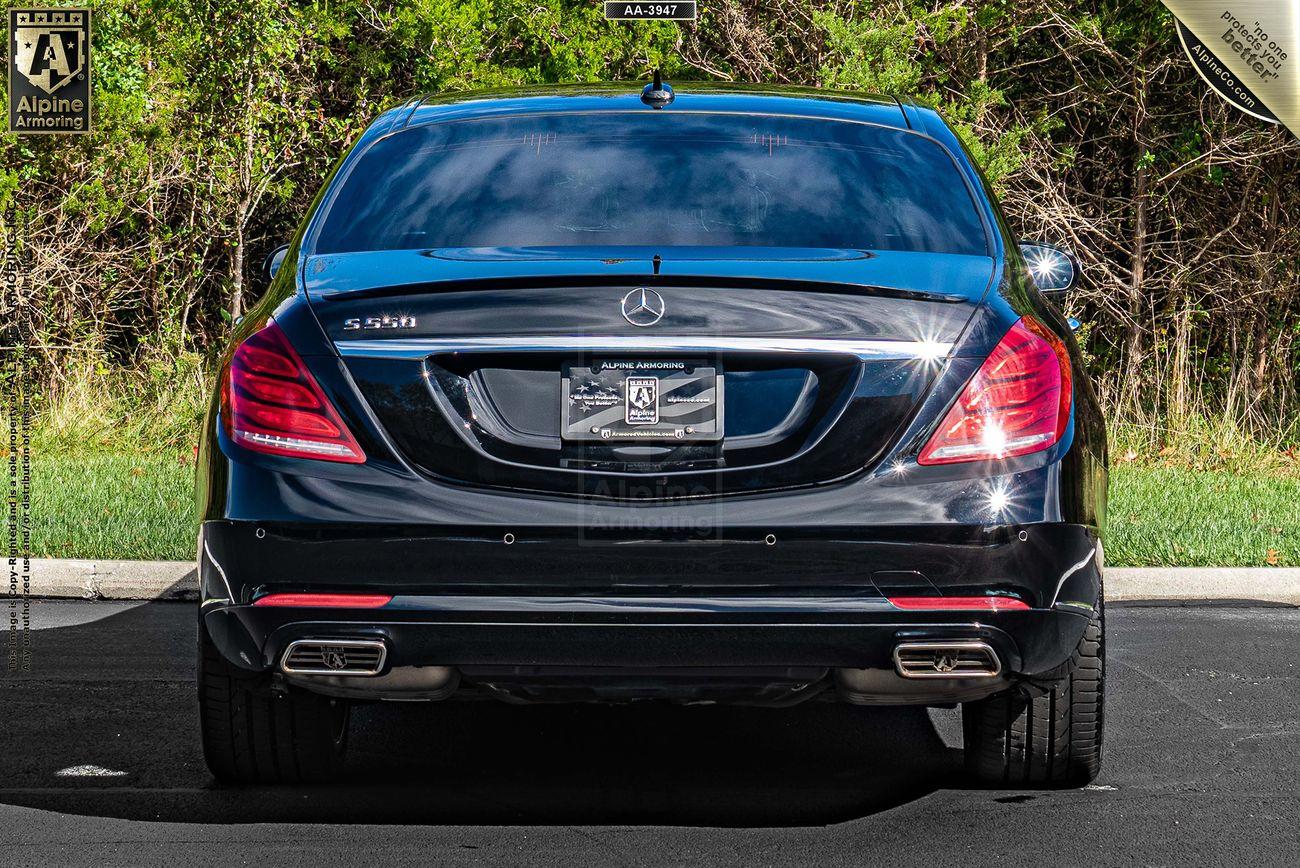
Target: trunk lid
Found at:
x=752, y=374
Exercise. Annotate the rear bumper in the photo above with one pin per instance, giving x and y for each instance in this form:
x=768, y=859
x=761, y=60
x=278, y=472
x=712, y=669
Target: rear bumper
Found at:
x=1044, y=564
x=644, y=633
x=815, y=600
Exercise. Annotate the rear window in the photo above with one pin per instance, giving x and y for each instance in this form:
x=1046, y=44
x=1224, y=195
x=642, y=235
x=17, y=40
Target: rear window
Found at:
x=670, y=178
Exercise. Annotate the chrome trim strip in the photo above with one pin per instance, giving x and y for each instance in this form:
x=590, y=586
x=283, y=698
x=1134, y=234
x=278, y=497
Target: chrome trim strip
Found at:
x=636, y=605
x=418, y=348
x=230, y=594
x=1071, y=571
x=340, y=643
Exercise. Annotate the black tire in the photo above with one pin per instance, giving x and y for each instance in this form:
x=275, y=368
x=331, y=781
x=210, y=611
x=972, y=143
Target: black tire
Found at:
x=1049, y=739
x=252, y=735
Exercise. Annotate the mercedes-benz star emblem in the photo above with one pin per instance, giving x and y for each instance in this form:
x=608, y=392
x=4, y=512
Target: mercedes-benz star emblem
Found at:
x=643, y=307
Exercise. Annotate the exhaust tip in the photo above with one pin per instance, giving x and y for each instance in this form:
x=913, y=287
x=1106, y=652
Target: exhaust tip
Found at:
x=360, y=657
x=968, y=659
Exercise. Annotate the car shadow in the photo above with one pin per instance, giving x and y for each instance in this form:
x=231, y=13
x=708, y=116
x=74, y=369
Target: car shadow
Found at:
x=105, y=725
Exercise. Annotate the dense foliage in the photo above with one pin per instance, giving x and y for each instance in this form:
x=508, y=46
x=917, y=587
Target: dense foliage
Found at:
x=216, y=120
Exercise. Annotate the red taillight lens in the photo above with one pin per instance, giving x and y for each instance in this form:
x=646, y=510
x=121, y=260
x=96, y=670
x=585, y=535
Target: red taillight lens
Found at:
x=326, y=601
x=1018, y=401
x=962, y=603
x=279, y=391
x=271, y=403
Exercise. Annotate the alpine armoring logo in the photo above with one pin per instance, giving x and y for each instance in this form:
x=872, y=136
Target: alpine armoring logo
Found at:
x=1245, y=50
x=1219, y=77
x=49, y=70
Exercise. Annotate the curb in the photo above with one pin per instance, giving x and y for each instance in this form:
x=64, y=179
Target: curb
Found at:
x=177, y=580
x=1266, y=584
x=114, y=580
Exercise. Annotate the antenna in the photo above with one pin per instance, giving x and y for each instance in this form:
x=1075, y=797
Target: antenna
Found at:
x=656, y=94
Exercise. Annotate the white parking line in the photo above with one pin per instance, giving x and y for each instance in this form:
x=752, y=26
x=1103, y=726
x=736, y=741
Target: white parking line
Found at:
x=88, y=771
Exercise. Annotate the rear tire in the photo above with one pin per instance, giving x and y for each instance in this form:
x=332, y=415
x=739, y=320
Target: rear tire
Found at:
x=252, y=735
x=1051, y=740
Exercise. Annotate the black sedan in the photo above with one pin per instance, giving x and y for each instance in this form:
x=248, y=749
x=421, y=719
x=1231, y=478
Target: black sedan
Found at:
x=609, y=394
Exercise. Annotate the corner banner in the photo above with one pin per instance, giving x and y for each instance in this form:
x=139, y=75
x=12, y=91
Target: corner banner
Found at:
x=1248, y=51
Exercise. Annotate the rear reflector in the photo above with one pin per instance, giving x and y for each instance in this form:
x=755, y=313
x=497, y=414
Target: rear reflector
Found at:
x=326, y=601
x=271, y=403
x=1018, y=402
x=958, y=603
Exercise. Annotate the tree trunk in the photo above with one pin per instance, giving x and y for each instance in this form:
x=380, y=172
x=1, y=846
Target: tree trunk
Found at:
x=245, y=186
x=1136, y=290
x=1180, y=365
x=1266, y=265
x=237, y=270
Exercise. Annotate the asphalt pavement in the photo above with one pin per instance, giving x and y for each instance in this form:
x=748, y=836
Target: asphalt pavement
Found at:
x=101, y=766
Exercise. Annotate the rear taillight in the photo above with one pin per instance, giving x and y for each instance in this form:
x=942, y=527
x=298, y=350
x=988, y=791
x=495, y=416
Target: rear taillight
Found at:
x=1018, y=401
x=271, y=403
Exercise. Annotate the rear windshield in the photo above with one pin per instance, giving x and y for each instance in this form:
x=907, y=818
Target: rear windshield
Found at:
x=670, y=178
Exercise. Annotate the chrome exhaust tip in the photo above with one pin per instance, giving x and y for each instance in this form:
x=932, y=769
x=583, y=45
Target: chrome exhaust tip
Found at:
x=359, y=657
x=964, y=659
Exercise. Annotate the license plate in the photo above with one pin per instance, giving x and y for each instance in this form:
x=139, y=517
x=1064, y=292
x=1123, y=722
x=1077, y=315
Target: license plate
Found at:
x=627, y=400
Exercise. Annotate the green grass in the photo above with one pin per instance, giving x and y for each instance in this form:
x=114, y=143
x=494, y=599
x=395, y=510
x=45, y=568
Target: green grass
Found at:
x=1176, y=517
x=101, y=505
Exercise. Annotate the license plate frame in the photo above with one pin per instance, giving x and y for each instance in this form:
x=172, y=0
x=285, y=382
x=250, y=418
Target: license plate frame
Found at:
x=636, y=400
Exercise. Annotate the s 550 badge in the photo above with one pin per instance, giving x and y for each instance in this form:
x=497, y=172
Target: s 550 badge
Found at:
x=369, y=323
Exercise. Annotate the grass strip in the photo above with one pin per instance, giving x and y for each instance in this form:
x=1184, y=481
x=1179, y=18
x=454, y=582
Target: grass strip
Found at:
x=140, y=506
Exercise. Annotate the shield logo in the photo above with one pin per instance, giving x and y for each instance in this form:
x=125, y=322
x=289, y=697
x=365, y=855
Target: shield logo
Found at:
x=50, y=55
x=333, y=657
x=643, y=396
x=642, y=401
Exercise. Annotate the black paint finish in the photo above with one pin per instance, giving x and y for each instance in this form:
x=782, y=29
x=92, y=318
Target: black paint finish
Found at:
x=835, y=507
